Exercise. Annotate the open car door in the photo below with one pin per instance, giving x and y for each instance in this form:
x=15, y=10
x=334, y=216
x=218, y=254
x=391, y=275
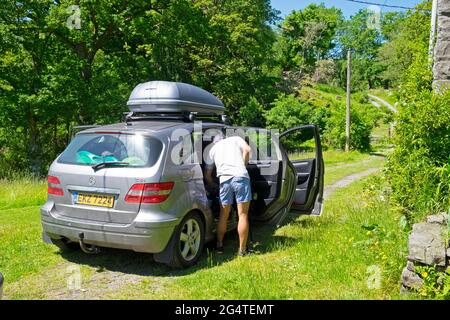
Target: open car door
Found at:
x=303, y=153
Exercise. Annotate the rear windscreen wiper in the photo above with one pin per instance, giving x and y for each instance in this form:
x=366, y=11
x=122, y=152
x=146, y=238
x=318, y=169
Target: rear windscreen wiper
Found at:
x=102, y=165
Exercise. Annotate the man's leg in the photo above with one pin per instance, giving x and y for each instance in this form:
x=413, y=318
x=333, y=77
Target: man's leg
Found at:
x=222, y=225
x=226, y=199
x=243, y=225
x=242, y=189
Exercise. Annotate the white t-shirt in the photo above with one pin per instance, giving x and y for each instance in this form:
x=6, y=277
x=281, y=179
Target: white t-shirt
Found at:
x=227, y=155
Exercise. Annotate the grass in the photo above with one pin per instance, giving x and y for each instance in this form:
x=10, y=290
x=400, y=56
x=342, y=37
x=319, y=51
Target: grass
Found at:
x=310, y=258
x=22, y=193
x=337, y=172
x=328, y=257
x=339, y=164
x=333, y=157
x=23, y=252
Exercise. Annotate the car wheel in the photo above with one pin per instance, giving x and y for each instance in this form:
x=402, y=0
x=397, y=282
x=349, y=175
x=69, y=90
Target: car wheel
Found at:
x=65, y=245
x=188, y=241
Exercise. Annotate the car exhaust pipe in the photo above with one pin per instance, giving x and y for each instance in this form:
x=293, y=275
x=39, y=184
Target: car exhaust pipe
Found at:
x=87, y=248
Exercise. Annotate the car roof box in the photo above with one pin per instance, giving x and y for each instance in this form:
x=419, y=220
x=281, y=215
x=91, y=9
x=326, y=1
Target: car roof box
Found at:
x=165, y=96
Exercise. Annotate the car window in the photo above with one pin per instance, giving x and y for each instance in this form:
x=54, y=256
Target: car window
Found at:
x=262, y=145
x=300, y=144
x=93, y=148
x=187, y=150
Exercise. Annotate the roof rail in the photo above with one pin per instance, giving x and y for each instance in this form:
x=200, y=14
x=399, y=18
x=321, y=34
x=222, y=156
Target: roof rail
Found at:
x=184, y=116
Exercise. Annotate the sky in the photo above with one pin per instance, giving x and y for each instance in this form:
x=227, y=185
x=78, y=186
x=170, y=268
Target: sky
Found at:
x=347, y=7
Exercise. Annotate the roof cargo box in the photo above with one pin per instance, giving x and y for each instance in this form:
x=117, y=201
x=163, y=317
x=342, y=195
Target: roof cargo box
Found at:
x=165, y=96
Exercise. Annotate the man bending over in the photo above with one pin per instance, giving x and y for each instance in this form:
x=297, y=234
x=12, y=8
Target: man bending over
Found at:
x=231, y=156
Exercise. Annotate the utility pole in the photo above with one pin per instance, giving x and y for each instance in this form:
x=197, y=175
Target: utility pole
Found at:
x=347, y=113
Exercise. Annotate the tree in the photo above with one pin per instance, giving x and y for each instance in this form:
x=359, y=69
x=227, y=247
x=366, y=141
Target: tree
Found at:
x=307, y=36
x=408, y=37
x=54, y=77
x=364, y=41
x=252, y=114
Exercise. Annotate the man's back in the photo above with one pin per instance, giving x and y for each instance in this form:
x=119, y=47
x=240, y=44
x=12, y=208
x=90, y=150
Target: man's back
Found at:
x=227, y=155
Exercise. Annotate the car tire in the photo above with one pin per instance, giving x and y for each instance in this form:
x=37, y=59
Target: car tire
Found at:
x=65, y=245
x=187, y=242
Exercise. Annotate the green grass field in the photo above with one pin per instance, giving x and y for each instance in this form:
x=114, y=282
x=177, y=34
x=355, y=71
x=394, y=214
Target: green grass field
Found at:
x=334, y=256
x=328, y=257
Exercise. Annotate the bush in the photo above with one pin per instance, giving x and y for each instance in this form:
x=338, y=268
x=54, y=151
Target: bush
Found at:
x=360, y=130
x=419, y=167
x=251, y=114
x=325, y=71
x=436, y=284
x=320, y=108
x=288, y=112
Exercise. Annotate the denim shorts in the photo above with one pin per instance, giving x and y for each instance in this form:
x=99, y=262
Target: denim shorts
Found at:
x=239, y=186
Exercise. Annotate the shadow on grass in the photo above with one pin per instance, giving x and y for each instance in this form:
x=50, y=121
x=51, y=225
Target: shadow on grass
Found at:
x=263, y=239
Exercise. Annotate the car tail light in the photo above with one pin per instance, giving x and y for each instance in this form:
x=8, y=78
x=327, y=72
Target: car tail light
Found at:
x=54, y=186
x=149, y=192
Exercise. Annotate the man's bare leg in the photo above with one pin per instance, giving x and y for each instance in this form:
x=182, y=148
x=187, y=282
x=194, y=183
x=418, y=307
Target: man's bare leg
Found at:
x=222, y=225
x=243, y=225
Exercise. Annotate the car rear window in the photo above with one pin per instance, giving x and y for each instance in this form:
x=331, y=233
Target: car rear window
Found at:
x=93, y=148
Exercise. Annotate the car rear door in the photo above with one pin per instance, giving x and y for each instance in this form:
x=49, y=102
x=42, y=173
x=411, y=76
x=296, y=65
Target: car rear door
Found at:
x=302, y=153
x=265, y=173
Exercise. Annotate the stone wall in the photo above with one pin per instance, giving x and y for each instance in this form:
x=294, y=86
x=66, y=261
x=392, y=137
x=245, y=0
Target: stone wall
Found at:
x=427, y=246
x=441, y=68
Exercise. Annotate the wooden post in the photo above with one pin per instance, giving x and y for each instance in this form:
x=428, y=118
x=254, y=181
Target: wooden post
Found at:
x=347, y=115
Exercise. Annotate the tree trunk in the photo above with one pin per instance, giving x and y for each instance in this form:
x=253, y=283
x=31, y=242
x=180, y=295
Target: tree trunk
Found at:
x=35, y=149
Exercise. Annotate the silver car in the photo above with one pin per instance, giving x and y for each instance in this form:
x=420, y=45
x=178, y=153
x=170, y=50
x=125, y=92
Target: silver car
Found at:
x=139, y=184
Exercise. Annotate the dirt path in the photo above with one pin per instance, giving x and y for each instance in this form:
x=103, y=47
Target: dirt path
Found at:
x=376, y=103
x=73, y=281
x=347, y=180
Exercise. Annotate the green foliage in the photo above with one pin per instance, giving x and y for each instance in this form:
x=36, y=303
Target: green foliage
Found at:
x=54, y=77
x=287, y=111
x=321, y=108
x=436, y=284
x=356, y=35
x=252, y=114
x=307, y=34
x=363, y=41
x=360, y=129
x=408, y=36
x=325, y=72
x=419, y=167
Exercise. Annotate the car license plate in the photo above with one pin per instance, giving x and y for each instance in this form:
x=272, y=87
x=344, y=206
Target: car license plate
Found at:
x=95, y=200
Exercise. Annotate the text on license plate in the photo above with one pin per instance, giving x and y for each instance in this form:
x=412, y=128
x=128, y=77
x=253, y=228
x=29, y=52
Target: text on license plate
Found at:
x=95, y=200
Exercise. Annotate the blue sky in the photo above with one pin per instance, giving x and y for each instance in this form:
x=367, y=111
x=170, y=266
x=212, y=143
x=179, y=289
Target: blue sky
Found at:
x=347, y=7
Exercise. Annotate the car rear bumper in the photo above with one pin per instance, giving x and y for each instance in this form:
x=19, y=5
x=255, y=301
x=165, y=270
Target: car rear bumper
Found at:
x=142, y=235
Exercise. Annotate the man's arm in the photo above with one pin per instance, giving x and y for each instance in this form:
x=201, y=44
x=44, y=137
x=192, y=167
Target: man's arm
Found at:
x=208, y=174
x=246, y=152
x=209, y=169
